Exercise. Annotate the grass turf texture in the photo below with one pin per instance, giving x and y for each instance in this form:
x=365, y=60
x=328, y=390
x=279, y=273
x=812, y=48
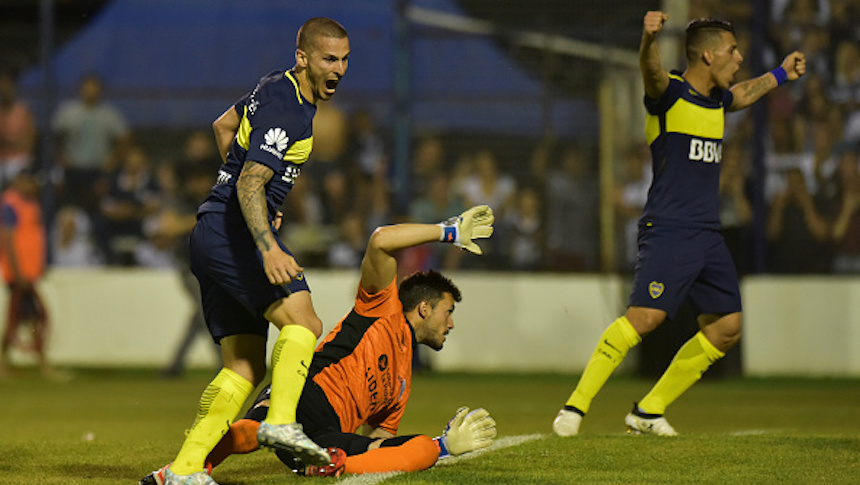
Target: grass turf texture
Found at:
x=113, y=427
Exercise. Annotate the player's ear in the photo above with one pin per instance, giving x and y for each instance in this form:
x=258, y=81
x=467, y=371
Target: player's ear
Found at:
x=707, y=57
x=301, y=58
x=422, y=309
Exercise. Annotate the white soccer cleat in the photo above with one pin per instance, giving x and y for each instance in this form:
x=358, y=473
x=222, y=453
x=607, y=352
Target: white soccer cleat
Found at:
x=198, y=478
x=647, y=425
x=567, y=423
x=291, y=438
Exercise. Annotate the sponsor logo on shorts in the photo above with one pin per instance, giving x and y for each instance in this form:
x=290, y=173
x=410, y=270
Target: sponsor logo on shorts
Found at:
x=655, y=289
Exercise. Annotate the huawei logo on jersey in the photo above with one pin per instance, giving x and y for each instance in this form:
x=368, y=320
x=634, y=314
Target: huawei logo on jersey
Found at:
x=276, y=142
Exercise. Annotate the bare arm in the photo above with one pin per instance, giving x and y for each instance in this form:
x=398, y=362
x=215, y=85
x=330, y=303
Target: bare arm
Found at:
x=225, y=127
x=748, y=92
x=379, y=267
x=280, y=267
x=654, y=77
x=376, y=432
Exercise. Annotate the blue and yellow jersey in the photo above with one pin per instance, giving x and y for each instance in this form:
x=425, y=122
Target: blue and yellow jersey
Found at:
x=276, y=130
x=685, y=131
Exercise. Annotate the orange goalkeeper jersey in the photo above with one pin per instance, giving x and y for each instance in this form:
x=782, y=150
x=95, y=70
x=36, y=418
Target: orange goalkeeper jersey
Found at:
x=364, y=365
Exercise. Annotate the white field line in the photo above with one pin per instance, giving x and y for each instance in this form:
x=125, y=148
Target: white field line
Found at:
x=505, y=442
x=756, y=432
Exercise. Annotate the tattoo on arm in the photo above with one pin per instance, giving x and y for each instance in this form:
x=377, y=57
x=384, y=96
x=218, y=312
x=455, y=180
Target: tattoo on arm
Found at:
x=748, y=92
x=251, y=189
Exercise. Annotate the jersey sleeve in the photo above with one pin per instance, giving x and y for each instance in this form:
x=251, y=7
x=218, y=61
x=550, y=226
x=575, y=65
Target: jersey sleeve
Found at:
x=667, y=99
x=380, y=304
x=728, y=99
x=273, y=129
x=391, y=421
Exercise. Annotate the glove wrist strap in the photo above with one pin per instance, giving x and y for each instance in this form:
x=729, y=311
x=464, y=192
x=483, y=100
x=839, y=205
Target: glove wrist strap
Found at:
x=450, y=230
x=443, y=449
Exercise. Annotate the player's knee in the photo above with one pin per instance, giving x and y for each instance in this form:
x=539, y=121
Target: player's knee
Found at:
x=314, y=324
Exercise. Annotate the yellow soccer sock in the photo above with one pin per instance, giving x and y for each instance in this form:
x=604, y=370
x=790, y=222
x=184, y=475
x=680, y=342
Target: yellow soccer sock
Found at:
x=291, y=359
x=691, y=361
x=220, y=403
x=614, y=344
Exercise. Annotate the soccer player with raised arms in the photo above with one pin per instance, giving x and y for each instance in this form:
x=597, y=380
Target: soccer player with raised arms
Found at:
x=247, y=276
x=681, y=251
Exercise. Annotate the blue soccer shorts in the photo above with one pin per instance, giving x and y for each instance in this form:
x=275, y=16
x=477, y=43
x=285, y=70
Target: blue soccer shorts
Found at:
x=674, y=263
x=235, y=290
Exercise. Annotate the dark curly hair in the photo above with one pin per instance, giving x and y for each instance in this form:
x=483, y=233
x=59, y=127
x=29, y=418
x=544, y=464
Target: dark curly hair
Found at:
x=426, y=285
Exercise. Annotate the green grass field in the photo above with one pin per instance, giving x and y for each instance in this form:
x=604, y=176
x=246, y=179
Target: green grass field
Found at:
x=112, y=427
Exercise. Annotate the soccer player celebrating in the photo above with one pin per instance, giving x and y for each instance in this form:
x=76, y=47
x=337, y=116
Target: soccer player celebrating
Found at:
x=681, y=251
x=247, y=276
x=361, y=374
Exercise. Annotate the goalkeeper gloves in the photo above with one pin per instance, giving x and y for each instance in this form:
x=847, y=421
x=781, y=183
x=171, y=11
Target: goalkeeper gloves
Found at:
x=466, y=431
x=475, y=223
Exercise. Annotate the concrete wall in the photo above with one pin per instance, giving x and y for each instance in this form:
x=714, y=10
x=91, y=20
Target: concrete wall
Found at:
x=510, y=322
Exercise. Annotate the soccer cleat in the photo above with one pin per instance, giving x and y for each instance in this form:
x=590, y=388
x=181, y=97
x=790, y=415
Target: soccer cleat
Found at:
x=196, y=478
x=157, y=477
x=640, y=423
x=333, y=469
x=567, y=423
x=291, y=438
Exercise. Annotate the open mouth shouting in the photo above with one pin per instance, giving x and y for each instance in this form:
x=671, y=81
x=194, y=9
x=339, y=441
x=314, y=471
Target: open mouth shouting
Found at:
x=331, y=86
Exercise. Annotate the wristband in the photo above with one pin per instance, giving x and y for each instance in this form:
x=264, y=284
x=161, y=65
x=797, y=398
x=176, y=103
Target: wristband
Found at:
x=780, y=75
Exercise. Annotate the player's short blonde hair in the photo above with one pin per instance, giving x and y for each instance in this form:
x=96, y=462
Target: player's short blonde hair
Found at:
x=315, y=28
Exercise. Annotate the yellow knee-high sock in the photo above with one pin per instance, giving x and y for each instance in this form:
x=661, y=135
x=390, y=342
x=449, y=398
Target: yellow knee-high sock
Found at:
x=220, y=403
x=691, y=361
x=614, y=344
x=291, y=359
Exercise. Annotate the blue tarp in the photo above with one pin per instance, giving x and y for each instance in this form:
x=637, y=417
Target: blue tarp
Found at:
x=181, y=63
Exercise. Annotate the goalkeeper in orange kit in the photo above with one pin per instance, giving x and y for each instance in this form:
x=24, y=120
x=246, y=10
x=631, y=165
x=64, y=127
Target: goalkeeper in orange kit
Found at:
x=360, y=377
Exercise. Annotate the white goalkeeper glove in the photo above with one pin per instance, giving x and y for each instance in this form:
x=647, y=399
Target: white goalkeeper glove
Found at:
x=466, y=431
x=474, y=223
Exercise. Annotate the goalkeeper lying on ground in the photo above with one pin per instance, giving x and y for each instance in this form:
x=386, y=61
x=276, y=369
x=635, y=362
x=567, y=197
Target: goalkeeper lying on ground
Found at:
x=361, y=373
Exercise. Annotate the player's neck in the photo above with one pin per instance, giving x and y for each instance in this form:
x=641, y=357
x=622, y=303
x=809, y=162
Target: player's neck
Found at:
x=700, y=80
x=305, y=90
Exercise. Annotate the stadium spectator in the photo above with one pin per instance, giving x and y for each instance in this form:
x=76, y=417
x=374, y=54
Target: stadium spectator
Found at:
x=366, y=145
x=735, y=210
x=72, y=243
x=374, y=343
x=133, y=195
x=846, y=227
x=346, y=251
x=247, y=276
x=17, y=130
x=428, y=159
x=91, y=135
x=488, y=185
x=798, y=235
x=439, y=200
x=681, y=252
x=630, y=199
x=572, y=213
x=23, y=248
x=169, y=231
x=525, y=245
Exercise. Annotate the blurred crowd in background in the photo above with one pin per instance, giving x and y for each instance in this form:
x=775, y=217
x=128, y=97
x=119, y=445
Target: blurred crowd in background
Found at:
x=124, y=199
